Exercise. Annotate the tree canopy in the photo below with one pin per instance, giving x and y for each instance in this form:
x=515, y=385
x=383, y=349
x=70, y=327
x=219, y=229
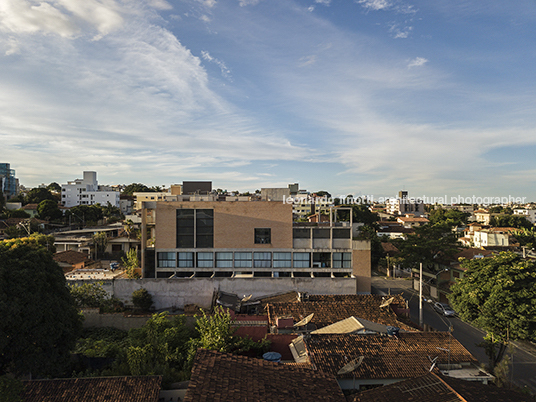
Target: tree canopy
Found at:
x=429, y=245
x=40, y=322
x=38, y=194
x=498, y=294
x=513, y=221
x=49, y=210
x=449, y=217
x=137, y=188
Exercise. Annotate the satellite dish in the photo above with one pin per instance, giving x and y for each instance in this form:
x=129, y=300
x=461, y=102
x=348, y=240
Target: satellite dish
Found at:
x=387, y=302
x=246, y=298
x=351, y=366
x=305, y=321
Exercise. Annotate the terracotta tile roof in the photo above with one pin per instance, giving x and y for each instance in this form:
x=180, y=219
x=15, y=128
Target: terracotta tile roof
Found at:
x=413, y=219
x=70, y=257
x=329, y=309
x=405, y=356
x=390, y=248
x=98, y=389
x=434, y=387
x=31, y=207
x=470, y=253
x=224, y=377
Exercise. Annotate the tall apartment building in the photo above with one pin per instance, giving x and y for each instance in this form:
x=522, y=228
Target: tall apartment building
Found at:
x=403, y=205
x=256, y=239
x=8, y=182
x=87, y=191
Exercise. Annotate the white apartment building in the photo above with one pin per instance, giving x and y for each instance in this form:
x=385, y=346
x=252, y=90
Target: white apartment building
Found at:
x=87, y=191
x=530, y=214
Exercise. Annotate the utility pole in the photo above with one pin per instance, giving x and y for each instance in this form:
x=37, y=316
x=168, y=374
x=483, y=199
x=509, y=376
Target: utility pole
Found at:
x=420, y=297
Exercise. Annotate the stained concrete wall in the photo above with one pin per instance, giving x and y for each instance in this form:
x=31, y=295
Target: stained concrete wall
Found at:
x=177, y=293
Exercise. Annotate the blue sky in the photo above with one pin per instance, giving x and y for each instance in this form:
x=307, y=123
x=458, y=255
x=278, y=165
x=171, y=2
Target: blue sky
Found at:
x=355, y=97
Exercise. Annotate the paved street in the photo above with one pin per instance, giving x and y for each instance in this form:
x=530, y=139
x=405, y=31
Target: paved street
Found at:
x=523, y=370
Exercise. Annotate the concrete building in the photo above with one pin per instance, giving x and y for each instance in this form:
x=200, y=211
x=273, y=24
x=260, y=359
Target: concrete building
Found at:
x=403, y=205
x=257, y=239
x=529, y=214
x=87, y=191
x=8, y=182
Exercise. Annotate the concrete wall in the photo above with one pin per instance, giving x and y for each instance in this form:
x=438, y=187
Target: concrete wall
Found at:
x=234, y=223
x=362, y=265
x=177, y=293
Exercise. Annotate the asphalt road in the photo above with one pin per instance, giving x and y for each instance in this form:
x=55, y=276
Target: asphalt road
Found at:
x=523, y=359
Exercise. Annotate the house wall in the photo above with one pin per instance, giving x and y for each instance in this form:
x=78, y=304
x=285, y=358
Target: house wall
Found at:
x=361, y=258
x=177, y=293
x=234, y=223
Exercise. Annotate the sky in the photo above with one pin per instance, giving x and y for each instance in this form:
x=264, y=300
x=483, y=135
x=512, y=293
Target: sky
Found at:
x=362, y=97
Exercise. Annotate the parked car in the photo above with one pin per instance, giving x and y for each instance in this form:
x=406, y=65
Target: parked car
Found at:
x=444, y=309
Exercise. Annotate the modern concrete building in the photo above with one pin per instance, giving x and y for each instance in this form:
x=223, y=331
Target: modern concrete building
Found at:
x=257, y=239
x=8, y=182
x=403, y=205
x=87, y=191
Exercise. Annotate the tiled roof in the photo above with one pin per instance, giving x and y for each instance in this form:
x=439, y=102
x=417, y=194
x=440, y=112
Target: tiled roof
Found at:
x=98, y=389
x=70, y=257
x=329, y=309
x=434, y=387
x=470, y=253
x=405, y=356
x=225, y=377
x=413, y=219
x=31, y=207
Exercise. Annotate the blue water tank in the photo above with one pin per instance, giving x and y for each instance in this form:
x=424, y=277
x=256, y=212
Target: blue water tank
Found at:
x=272, y=357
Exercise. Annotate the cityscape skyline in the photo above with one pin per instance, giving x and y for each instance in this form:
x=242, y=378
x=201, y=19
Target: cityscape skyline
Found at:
x=364, y=97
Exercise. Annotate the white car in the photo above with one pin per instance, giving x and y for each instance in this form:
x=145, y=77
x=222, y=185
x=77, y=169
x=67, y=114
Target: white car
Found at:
x=444, y=309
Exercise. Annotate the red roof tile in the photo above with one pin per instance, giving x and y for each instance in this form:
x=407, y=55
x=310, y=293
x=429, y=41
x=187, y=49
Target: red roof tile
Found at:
x=225, y=377
x=98, y=389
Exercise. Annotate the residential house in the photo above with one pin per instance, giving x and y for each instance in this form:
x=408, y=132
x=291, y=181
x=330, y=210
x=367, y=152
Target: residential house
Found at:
x=410, y=221
x=31, y=209
x=403, y=205
x=70, y=260
x=223, y=377
x=529, y=214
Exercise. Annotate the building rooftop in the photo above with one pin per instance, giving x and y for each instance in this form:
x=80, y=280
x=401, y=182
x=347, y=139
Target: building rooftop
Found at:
x=329, y=309
x=405, y=356
x=97, y=389
x=434, y=387
x=70, y=257
x=225, y=377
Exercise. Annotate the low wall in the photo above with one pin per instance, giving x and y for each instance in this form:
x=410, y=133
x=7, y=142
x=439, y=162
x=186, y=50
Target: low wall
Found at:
x=176, y=293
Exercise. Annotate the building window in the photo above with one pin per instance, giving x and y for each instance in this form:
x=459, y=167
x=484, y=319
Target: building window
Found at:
x=195, y=228
x=205, y=260
x=282, y=260
x=301, y=233
x=341, y=234
x=342, y=260
x=320, y=233
x=224, y=260
x=322, y=260
x=302, y=260
x=263, y=235
x=185, y=260
x=204, y=225
x=242, y=260
x=166, y=260
x=262, y=260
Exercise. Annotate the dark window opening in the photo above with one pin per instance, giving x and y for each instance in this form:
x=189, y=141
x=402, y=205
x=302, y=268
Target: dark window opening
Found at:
x=263, y=236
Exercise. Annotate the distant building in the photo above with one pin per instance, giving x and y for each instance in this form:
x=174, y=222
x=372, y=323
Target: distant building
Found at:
x=87, y=191
x=8, y=182
x=529, y=214
x=403, y=205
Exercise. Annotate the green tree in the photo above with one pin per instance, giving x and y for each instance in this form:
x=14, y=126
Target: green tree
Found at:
x=450, y=217
x=526, y=237
x=100, y=240
x=514, y=221
x=19, y=213
x=49, y=210
x=54, y=187
x=85, y=214
x=93, y=295
x=429, y=245
x=11, y=389
x=40, y=321
x=142, y=299
x=131, y=262
x=36, y=195
x=497, y=294
x=137, y=188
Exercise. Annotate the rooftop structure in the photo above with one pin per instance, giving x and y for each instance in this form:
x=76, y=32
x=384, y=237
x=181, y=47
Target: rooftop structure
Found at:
x=87, y=191
x=8, y=182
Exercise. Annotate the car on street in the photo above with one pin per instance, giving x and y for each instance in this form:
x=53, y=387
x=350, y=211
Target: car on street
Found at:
x=444, y=309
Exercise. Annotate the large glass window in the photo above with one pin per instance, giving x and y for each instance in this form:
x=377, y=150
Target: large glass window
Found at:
x=185, y=228
x=263, y=235
x=341, y=233
x=242, y=260
x=224, y=260
x=301, y=233
x=320, y=233
x=205, y=260
x=166, y=260
x=322, y=260
x=262, y=260
x=204, y=221
x=282, y=260
x=342, y=260
x=185, y=260
x=302, y=260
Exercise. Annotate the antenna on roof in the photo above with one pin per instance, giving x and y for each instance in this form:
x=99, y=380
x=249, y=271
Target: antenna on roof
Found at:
x=433, y=361
x=387, y=302
x=351, y=366
x=305, y=321
x=246, y=298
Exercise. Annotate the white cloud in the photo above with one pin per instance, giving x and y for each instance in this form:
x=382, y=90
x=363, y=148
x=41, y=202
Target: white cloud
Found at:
x=160, y=4
x=207, y=3
x=375, y=5
x=400, y=33
x=244, y=3
x=324, y=2
x=417, y=62
x=224, y=70
x=307, y=60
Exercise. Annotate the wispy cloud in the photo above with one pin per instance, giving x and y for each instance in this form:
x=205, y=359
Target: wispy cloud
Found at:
x=417, y=62
x=244, y=3
x=376, y=4
x=224, y=70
